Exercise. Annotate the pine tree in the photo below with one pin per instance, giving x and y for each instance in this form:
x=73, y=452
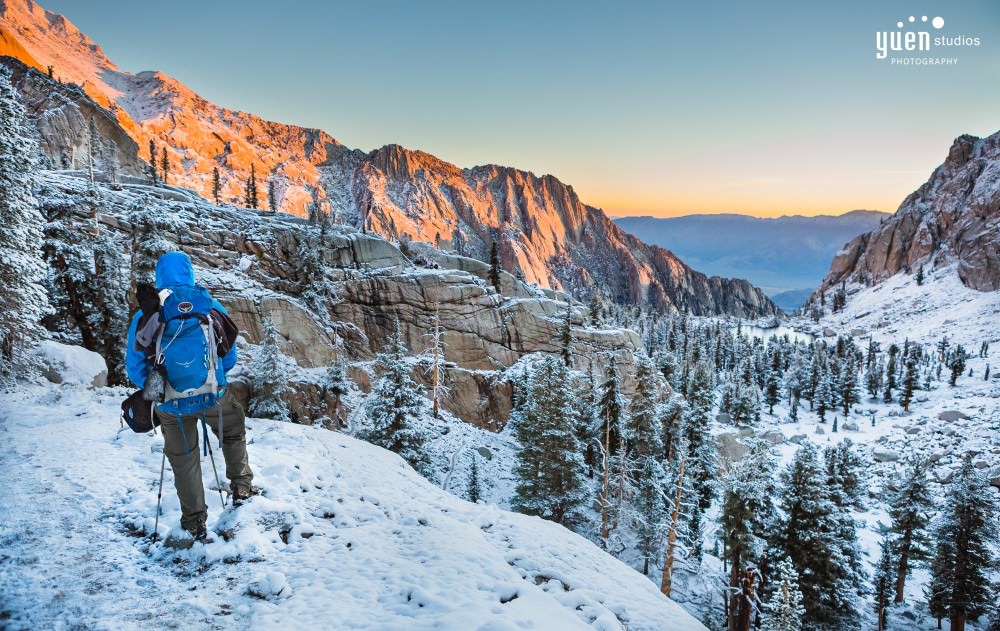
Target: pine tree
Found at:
x=909, y=382
x=956, y=364
x=108, y=315
x=315, y=287
x=891, y=370
x=550, y=467
x=748, y=515
x=702, y=455
x=784, y=610
x=642, y=432
x=884, y=582
x=611, y=416
x=111, y=164
x=920, y=275
x=272, y=195
x=566, y=339
x=824, y=395
x=495, y=266
x=966, y=535
x=165, y=165
x=819, y=538
x=336, y=385
x=148, y=226
x=909, y=508
x=849, y=394
x=650, y=518
x=595, y=309
x=153, y=177
x=395, y=407
x=873, y=379
x=22, y=297
x=270, y=378
x=473, y=493
x=771, y=391
x=216, y=186
x=251, y=189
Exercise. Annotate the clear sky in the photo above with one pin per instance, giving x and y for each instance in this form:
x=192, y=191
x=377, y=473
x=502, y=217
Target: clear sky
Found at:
x=658, y=108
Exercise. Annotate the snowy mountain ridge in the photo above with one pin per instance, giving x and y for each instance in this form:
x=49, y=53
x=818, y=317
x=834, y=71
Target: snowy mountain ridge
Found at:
x=543, y=230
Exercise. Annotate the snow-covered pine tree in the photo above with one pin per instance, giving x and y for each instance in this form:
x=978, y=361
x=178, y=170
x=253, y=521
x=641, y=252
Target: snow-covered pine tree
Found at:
x=650, y=517
x=108, y=316
x=610, y=416
x=909, y=384
x=336, y=385
x=149, y=223
x=873, y=379
x=956, y=364
x=784, y=610
x=965, y=537
x=642, y=432
x=910, y=507
x=270, y=378
x=111, y=164
x=551, y=473
x=396, y=406
x=702, y=456
x=316, y=289
x=748, y=514
x=566, y=338
x=890, y=373
x=23, y=302
x=818, y=537
x=824, y=394
x=884, y=579
x=849, y=394
x=474, y=492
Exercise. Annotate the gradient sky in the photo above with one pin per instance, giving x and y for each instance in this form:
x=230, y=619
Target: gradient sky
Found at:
x=659, y=108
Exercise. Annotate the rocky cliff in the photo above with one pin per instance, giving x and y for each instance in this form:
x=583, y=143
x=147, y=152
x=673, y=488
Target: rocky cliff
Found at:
x=953, y=218
x=250, y=261
x=544, y=231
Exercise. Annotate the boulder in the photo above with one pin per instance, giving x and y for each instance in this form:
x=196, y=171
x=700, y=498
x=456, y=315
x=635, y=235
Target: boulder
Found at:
x=774, y=437
x=724, y=419
x=730, y=447
x=798, y=439
x=745, y=431
x=850, y=426
x=912, y=430
x=62, y=363
x=952, y=415
x=820, y=431
x=882, y=454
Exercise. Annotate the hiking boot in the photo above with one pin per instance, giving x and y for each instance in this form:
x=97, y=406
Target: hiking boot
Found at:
x=241, y=494
x=198, y=532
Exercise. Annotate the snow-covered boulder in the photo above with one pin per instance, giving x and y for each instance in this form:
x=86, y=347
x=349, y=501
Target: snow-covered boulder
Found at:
x=72, y=364
x=850, y=426
x=952, y=416
x=885, y=455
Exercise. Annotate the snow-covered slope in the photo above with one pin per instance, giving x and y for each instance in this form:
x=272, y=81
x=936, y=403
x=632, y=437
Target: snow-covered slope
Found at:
x=346, y=536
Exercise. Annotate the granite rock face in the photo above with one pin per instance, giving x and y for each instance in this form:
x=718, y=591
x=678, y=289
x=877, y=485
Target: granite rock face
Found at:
x=954, y=218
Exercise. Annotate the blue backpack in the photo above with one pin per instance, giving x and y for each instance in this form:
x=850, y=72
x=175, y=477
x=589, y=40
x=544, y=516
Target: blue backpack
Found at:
x=187, y=351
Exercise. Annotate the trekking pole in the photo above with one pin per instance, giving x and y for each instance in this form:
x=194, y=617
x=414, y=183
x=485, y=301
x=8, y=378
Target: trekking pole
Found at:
x=211, y=455
x=159, y=496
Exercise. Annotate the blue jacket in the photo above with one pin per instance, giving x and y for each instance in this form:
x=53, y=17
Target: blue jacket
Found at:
x=172, y=270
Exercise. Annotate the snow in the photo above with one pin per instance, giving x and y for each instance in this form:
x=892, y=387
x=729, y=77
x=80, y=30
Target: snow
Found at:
x=71, y=364
x=345, y=536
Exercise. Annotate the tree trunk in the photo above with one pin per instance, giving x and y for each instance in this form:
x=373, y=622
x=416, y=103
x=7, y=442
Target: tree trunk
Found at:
x=904, y=561
x=668, y=562
x=605, y=532
x=958, y=622
x=734, y=595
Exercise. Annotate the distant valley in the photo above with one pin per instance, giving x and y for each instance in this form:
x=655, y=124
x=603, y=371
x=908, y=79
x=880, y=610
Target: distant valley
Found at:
x=785, y=256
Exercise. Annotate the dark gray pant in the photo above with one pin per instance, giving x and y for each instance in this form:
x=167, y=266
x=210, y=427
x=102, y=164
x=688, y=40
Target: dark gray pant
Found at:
x=185, y=457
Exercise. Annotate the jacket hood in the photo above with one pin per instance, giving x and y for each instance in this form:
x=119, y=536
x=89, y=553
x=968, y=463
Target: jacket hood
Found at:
x=174, y=269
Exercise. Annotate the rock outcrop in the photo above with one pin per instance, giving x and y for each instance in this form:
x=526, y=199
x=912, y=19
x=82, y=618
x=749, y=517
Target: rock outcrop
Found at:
x=954, y=218
x=544, y=231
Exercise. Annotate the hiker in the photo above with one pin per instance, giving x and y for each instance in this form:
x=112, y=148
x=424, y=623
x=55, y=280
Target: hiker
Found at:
x=178, y=332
